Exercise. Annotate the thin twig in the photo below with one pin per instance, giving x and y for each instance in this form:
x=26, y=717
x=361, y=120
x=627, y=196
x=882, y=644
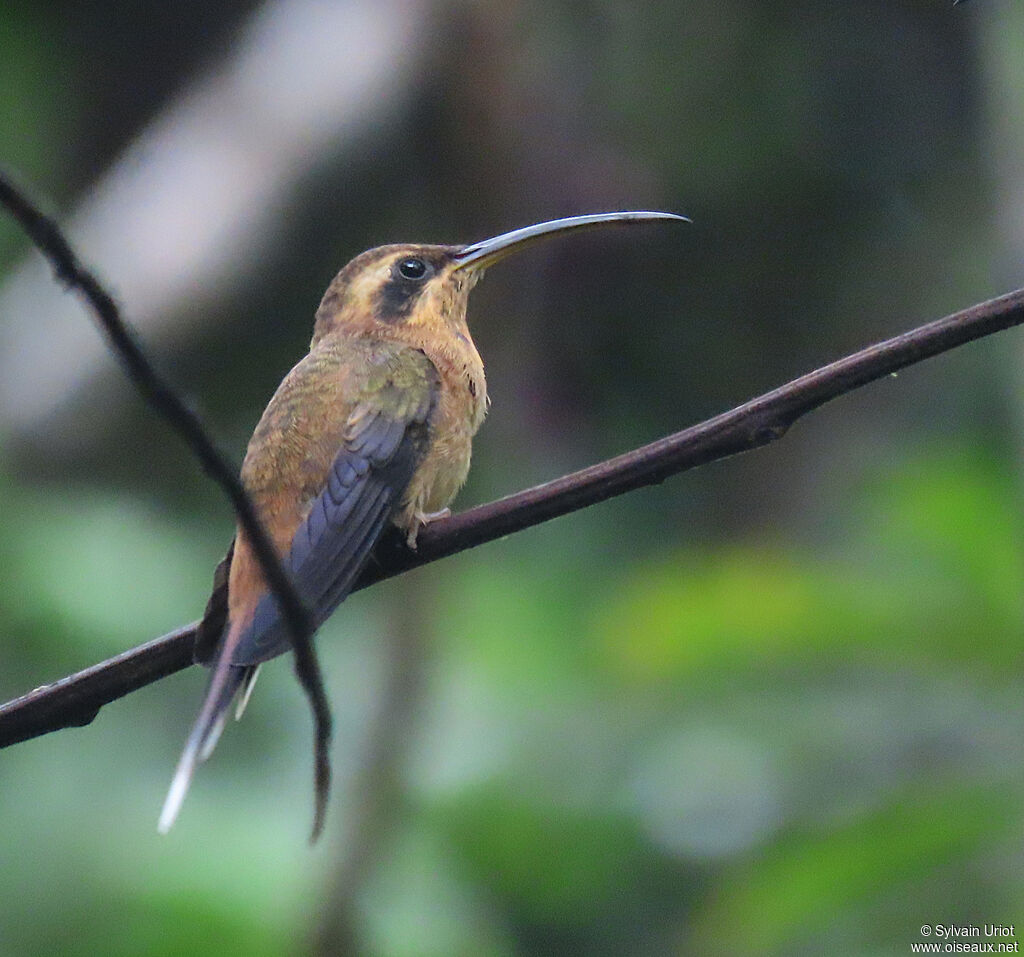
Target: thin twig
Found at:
x=76, y=699
x=50, y=241
x=375, y=789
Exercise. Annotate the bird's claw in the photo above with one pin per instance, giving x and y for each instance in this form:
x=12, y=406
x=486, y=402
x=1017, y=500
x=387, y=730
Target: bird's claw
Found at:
x=424, y=518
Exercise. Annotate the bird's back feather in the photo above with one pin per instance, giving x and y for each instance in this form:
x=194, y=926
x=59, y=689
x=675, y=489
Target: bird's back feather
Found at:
x=384, y=398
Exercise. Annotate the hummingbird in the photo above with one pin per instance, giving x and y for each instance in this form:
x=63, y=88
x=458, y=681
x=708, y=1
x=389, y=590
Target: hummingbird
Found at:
x=373, y=427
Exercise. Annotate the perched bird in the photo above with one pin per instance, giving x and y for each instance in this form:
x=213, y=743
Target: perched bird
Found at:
x=373, y=426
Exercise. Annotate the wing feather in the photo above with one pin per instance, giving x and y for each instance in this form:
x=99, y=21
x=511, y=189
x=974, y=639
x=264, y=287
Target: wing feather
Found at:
x=385, y=438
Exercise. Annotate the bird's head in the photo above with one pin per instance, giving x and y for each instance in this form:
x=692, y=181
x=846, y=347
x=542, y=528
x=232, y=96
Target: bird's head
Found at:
x=414, y=284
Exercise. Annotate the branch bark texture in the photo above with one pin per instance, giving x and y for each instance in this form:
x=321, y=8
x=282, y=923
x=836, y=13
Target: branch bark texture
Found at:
x=75, y=700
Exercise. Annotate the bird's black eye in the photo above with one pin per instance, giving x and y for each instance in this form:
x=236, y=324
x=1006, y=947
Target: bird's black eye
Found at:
x=412, y=268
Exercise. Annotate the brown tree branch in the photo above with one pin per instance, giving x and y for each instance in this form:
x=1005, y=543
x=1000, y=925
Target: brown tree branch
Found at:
x=50, y=241
x=76, y=699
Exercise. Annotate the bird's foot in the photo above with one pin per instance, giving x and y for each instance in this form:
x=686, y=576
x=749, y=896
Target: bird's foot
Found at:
x=424, y=518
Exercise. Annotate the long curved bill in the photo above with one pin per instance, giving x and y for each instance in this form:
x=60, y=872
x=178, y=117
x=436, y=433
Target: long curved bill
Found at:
x=483, y=254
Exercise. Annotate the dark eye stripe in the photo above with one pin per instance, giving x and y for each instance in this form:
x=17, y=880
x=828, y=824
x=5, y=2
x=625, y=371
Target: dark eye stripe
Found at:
x=396, y=299
x=400, y=291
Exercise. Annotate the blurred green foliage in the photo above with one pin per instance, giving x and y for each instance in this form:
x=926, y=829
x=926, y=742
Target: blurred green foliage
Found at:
x=773, y=707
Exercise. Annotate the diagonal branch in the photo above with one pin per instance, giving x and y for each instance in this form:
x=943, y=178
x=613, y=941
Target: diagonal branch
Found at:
x=50, y=241
x=76, y=699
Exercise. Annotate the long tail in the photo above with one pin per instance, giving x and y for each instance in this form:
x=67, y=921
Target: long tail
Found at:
x=224, y=684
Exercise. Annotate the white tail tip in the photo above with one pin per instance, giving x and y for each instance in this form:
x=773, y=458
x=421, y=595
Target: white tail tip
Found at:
x=176, y=794
x=247, y=685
